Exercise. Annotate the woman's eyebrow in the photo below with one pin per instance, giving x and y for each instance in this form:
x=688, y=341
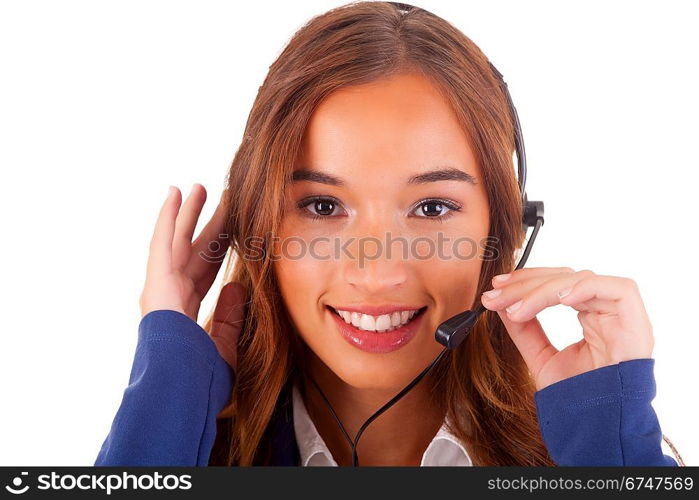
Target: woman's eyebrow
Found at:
x=306, y=174
x=441, y=174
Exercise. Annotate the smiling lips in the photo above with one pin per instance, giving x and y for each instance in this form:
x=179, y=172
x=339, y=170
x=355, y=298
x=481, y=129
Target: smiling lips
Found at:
x=377, y=323
x=378, y=334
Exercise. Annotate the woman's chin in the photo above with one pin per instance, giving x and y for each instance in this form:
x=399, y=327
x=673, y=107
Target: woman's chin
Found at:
x=379, y=378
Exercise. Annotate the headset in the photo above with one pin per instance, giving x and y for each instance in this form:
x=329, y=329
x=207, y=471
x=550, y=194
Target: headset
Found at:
x=454, y=331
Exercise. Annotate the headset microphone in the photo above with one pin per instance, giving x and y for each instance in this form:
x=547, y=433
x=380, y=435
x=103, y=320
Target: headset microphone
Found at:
x=453, y=331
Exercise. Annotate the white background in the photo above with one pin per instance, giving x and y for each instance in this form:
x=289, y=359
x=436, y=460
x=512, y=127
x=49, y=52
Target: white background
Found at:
x=103, y=105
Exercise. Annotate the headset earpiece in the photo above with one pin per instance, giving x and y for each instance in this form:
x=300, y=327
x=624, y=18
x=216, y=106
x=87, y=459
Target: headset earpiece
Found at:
x=532, y=211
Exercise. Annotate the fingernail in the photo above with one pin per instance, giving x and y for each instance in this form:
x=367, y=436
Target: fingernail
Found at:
x=502, y=277
x=514, y=306
x=170, y=191
x=491, y=294
x=563, y=293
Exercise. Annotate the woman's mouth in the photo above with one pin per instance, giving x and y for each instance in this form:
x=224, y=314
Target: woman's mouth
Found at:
x=383, y=333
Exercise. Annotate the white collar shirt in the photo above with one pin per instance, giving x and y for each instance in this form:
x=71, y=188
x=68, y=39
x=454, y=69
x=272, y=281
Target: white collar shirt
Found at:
x=445, y=449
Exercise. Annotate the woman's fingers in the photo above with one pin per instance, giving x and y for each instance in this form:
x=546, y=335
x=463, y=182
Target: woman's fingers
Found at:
x=611, y=312
x=185, y=225
x=228, y=320
x=584, y=291
x=509, y=293
x=531, y=341
x=604, y=287
x=523, y=300
x=211, y=246
x=622, y=292
x=160, y=252
x=527, y=273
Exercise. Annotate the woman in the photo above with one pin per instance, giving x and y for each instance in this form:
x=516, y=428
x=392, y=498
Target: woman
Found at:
x=377, y=122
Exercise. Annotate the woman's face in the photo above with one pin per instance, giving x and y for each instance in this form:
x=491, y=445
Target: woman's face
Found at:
x=370, y=226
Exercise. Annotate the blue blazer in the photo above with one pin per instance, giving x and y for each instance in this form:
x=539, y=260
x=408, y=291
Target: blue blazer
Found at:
x=179, y=384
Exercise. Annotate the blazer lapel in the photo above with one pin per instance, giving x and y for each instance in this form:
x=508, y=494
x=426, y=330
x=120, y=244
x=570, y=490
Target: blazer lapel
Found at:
x=285, y=448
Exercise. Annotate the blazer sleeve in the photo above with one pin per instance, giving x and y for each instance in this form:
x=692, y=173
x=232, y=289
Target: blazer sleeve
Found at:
x=178, y=385
x=603, y=417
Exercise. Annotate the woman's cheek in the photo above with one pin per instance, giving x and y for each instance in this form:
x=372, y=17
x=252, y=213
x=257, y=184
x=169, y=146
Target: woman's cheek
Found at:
x=454, y=273
x=303, y=268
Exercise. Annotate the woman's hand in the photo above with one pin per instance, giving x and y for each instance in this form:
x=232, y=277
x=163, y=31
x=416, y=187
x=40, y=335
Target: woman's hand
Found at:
x=615, y=324
x=180, y=273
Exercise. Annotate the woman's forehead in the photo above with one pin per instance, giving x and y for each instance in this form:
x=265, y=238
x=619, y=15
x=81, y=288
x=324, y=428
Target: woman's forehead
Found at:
x=400, y=126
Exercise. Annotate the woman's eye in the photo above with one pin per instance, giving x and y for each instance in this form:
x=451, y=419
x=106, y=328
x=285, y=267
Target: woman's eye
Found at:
x=321, y=207
x=436, y=209
x=318, y=207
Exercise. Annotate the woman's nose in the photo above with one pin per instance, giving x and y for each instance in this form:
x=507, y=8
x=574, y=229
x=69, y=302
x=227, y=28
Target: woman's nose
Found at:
x=378, y=262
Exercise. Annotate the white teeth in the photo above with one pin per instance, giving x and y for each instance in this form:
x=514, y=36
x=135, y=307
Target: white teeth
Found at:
x=367, y=322
x=383, y=323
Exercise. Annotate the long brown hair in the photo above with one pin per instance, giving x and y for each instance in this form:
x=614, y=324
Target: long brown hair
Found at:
x=484, y=383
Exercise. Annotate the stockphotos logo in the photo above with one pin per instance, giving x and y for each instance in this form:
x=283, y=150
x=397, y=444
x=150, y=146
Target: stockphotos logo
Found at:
x=17, y=487
x=103, y=482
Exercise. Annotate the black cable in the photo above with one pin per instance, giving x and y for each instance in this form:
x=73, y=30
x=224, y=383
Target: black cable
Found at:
x=530, y=243
x=337, y=419
x=478, y=311
x=353, y=444
x=453, y=331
